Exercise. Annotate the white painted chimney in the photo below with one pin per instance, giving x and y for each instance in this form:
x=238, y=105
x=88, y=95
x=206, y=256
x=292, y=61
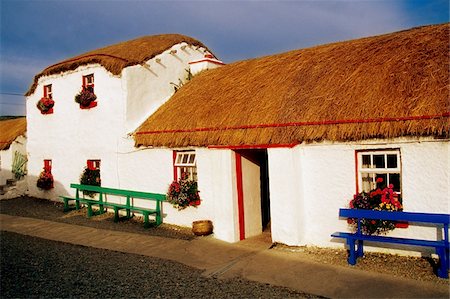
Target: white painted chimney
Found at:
x=206, y=63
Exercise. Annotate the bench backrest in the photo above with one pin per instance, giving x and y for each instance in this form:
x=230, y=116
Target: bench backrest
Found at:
x=396, y=216
x=120, y=192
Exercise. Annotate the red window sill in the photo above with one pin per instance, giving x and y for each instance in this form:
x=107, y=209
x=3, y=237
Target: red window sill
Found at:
x=49, y=111
x=91, y=105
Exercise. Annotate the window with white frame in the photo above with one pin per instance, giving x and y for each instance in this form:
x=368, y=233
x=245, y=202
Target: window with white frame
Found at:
x=88, y=82
x=186, y=165
x=48, y=91
x=383, y=164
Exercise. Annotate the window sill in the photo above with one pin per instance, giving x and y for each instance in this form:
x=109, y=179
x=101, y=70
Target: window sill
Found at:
x=49, y=111
x=91, y=105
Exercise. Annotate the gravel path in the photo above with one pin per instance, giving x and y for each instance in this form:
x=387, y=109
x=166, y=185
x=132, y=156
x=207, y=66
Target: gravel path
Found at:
x=417, y=268
x=33, y=267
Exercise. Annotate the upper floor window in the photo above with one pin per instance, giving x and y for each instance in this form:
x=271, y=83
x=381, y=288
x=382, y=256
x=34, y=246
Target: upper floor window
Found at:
x=93, y=164
x=185, y=165
x=383, y=164
x=88, y=82
x=48, y=91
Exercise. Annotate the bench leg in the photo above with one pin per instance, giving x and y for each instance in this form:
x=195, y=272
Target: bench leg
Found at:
x=158, y=218
x=443, y=262
x=77, y=204
x=66, y=204
x=90, y=213
x=352, y=256
x=146, y=221
x=360, y=251
x=116, y=214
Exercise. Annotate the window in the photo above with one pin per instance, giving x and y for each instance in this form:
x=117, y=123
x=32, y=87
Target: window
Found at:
x=88, y=82
x=48, y=165
x=383, y=164
x=48, y=91
x=93, y=164
x=185, y=164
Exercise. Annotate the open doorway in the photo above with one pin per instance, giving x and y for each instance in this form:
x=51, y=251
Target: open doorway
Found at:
x=253, y=192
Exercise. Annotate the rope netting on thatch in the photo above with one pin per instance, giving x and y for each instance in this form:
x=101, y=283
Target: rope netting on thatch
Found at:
x=378, y=87
x=10, y=129
x=116, y=57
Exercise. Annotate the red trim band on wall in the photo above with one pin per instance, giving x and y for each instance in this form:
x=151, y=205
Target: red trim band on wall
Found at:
x=300, y=124
x=258, y=146
x=240, y=195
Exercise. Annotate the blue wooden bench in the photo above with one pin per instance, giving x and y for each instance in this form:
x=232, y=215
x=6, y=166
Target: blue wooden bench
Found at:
x=441, y=221
x=103, y=203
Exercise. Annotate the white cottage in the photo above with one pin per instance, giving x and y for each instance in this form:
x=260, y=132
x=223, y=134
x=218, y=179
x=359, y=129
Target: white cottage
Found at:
x=288, y=139
x=80, y=111
x=13, y=157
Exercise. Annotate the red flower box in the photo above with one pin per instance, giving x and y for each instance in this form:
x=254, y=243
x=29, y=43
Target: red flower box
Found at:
x=50, y=111
x=91, y=105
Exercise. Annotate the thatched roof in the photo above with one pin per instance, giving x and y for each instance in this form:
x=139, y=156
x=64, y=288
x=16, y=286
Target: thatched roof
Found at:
x=10, y=130
x=116, y=57
x=378, y=87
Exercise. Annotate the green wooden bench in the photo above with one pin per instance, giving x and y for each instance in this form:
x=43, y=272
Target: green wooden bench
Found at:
x=103, y=203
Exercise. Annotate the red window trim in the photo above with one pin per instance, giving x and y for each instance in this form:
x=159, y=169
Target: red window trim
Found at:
x=46, y=90
x=175, y=170
x=48, y=165
x=86, y=84
x=91, y=164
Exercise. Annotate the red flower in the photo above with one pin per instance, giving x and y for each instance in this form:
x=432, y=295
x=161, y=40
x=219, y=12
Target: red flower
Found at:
x=379, y=180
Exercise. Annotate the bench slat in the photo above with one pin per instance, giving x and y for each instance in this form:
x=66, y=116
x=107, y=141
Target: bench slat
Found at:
x=384, y=239
x=396, y=216
x=121, y=192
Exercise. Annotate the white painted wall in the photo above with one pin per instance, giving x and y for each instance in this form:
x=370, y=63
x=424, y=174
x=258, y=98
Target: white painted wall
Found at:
x=286, y=196
x=70, y=135
x=309, y=183
x=148, y=86
x=251, y=185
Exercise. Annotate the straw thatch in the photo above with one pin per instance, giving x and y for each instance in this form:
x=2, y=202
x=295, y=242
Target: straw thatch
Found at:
x=10, y=129
x=339, y=92
x=116, y=57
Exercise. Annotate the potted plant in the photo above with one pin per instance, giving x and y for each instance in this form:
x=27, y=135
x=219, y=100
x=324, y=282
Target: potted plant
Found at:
x=183, y=193
x=90, y=177
x=45, y=180
x=380, y=199
x=86, y=99
x=45, y=105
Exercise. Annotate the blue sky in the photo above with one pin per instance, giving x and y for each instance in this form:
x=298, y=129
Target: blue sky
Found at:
x=38, y=33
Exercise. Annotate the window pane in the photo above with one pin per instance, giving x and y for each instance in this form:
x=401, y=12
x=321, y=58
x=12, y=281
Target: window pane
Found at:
x=366, y=161
x=191, y=158
x=367, y=180
x=179, y=158
x=378, y=161
x=394, y=179
x=185, y=158
x=392, y=161
x=384, y=177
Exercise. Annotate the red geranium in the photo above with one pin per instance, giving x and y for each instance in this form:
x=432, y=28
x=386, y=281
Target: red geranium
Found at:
x=45, y=104
x=183, y=193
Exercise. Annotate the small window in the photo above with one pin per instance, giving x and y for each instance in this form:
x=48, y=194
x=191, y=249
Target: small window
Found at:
x=48, y=91
x=48, y=165
x=379, y=164
x=186, y=165
x=88, y=82
x=93, y=164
